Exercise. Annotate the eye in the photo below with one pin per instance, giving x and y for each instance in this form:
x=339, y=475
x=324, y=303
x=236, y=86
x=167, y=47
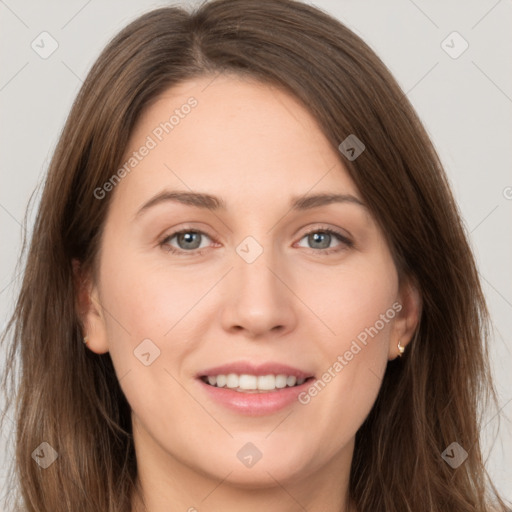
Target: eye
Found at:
x=322, y=240
x=194, y=242
x=186, y=241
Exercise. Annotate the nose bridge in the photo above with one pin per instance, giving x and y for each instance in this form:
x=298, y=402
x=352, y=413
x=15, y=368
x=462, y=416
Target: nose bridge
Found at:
x=252, y=267
x=259, y=301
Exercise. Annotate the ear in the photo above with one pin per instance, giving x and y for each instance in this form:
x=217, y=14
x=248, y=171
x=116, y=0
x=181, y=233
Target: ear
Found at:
x=408, y=316
x=90, y=310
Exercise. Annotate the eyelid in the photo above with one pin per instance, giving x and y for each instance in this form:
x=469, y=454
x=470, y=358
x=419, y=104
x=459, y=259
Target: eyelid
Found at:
x=343, y=234
x=185, y=229
x=344, y=239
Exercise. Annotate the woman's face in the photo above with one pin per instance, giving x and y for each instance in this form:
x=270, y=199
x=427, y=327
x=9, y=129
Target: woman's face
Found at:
x=238, y=250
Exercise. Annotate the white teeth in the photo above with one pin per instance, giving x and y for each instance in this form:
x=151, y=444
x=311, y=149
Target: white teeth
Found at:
x=280, y=381
x=247, y=382
x=266, y=382
x=232, y=380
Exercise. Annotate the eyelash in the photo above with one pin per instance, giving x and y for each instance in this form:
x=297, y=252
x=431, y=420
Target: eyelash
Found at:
x=198, y=252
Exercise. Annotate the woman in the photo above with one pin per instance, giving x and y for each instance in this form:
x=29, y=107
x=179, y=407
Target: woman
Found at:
x=248, y=285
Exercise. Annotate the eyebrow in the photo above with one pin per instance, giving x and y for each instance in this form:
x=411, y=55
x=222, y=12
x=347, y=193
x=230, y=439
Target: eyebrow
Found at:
x=211, y=202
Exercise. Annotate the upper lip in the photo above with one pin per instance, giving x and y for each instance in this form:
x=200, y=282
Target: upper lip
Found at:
x=243, y=367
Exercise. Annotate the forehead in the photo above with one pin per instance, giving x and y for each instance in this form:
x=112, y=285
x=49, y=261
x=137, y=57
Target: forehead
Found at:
x=233, y=137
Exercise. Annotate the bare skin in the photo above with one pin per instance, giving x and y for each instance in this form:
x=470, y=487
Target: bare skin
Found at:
x=302, y=302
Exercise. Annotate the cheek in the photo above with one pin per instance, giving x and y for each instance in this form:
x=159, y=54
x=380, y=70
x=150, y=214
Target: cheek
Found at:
x=146, y=301
x=152, y=318
x=145, y=314
x=355, y=302
x=357, y=306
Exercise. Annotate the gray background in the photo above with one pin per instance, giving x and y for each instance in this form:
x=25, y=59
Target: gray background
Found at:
x=465, y=104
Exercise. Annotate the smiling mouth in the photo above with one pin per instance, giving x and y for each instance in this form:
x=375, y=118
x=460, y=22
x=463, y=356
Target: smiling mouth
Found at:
x=246, y=383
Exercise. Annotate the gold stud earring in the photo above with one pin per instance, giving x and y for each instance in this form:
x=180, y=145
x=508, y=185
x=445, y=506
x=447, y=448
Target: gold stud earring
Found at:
x=86, y=339
x=401, y=350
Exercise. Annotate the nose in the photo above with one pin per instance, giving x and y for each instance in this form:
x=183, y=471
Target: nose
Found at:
x=259, y=298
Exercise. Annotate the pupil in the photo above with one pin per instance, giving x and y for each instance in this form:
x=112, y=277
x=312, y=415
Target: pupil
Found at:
x=189, y=239
x=323, y=239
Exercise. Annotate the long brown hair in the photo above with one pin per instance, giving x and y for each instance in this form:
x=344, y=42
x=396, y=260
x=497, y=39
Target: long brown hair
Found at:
x=70, y=398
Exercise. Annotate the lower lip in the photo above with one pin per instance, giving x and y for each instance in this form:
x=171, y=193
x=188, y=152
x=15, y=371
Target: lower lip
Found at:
x=255, y=404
